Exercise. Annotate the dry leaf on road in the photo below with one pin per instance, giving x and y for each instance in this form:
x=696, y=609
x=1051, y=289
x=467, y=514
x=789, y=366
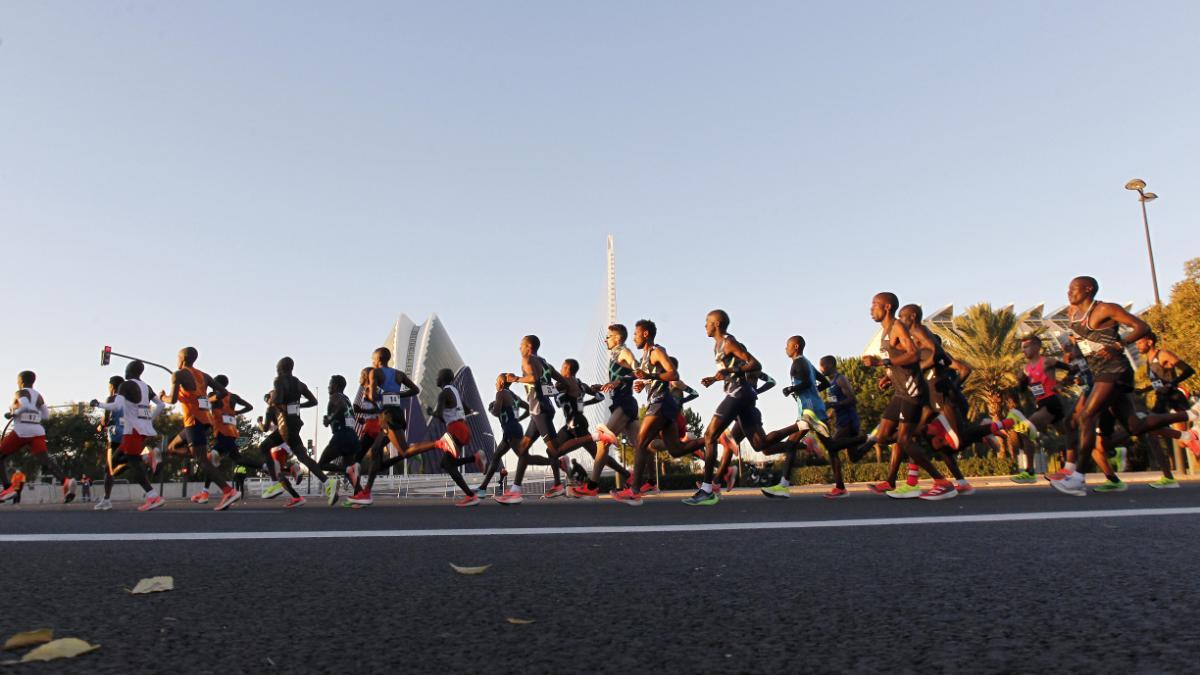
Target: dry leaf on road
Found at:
x=519, y=622
x=62, y=648
x=469, y=571
x=154, y=585
x=28, y=638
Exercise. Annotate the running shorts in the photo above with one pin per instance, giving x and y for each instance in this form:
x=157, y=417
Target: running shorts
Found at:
x=12, y=443
x=460, y=432
x=1054, y=406
x=903, y=409
x=742, y=406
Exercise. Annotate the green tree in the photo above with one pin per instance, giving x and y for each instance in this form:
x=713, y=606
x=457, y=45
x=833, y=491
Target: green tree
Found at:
x=1178, y=322
x=988, y=341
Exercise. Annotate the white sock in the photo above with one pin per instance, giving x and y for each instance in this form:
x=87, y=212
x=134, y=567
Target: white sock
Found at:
x=152, y=494
x=515, y=488
x=707, y=487
x=783, y=482
x=1193, y=414
x=1069, y=467
x=961, y=481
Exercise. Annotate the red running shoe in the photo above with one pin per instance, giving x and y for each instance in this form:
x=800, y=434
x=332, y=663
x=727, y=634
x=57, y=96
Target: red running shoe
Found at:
x=941, y=428
x=882, y=487
x=467, y=500
x=837, y=493
x=627, y=497
x=942, y=489
x=152, y=503
x=606, y=438
x=228, y=497
x=509, y=497
x=555, y=491
x=361, y=498
x=200, y=497
x=648, y=489
x=583, y=491
x=294, y=502
x=1002, y=426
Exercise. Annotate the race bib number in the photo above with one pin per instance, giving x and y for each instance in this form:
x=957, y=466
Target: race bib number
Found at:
x=229, y=419
x=391, y=399
x=1088, y=348
x=549, y=390
x=293, y=408
x=30, y=417
x=1037, y=390
x=203, y=404
x=143, y=412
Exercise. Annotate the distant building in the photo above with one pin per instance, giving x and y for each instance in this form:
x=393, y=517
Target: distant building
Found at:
x=421, y=351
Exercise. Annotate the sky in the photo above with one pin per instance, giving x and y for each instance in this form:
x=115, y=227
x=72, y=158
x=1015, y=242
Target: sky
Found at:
x=261, y=179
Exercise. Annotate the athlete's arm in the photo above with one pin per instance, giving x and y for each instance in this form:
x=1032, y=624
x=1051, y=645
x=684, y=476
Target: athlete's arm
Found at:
x=849, y=399
x=591, y=391
x=749, y=365
x=526, y=374
x=524, y=408
x=410, y=387
x=235, y=401
x=170, y=398
x=1170, y=361
x=659, y=356
x=374, y=379
x=309, y=400
x=768, y=382
x=823, y=382
x=689, y=395
x=1116, y=313
x=909, y=354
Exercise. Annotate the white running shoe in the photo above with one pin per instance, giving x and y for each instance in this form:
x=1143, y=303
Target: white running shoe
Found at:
x=1073, y=484
x=103, y=505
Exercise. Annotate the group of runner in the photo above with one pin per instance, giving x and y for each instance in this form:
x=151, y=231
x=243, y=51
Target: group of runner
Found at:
x=927, y=415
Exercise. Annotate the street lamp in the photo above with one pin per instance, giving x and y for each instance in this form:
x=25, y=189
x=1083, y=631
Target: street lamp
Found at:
x=1138, y=185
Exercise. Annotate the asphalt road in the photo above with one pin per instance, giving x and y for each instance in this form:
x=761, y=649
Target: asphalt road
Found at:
x=1087, y=594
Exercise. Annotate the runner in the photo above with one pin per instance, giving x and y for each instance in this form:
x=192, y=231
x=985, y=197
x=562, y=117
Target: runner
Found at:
x=542, y=383
x=451, y=410
x=387, y=388
x=341, y=452
x=367, y=426
x=189, y=388
x=623, y=412
x=842, y=405
x=226, y=407
x=1037, y=376
x=904, y=411
x=731, y=439
x=1096, y=327
x=129, y=408
x=284, y=402
x=1167, y=372
x=737, y=368
x=28, y=412
x=510, y=411
x=653, y=375
x=110, y=426
x=573, y=398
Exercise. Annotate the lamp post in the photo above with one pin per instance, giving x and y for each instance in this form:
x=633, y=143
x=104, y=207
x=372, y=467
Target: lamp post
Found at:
x=1138, y=185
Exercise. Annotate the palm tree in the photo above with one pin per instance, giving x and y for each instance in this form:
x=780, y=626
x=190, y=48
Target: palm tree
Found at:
x=989, y=342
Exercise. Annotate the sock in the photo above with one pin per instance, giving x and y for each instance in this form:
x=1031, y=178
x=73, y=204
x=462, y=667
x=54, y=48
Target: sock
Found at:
x=1069, y=467
x=707, y=487
x=1112, y=477
x=914, y=472
x=1193, y=414
x=962, y=482
x=152, y=494
x=515, y=488
x=784, y=482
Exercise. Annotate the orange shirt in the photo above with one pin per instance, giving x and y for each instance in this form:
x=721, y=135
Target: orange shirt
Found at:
x=223, y=418
x=195, y=402
x=18, y=479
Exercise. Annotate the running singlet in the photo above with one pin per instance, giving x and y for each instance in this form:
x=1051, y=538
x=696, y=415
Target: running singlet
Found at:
x=905, y=382
x=456, y=413
x=804, y=386
x=344, y=421
x=736, y=382
x=368, y=419
x=1166, y=389
x=1041, y=384
x=287, y=400
x=656, y=389
x=1092, y=343
x=28, y=415
x=542, y=392
x=506, y=411
x=195, y=401
x=138, y=417
x=390, y=388
x=115, y=428
x=224, y=421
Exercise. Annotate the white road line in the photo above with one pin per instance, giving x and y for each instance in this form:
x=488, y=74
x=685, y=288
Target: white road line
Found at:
x=612, y=529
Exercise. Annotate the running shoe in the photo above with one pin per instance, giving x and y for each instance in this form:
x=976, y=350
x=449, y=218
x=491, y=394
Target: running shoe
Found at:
x=605, y=438
x=702, y=498
x=1119, y=459
x=273, y=491
x=68, y=490
x=881, y=488
x=155, y=460
x=331, y=492
x=1165, y=482
x=815, y=423
x=905, y=491
x=942, y=489
x=837, y=493
x=1191, y=439
x=1057, y=475
x=777, y=491
x=103, y=505
x=942, y=429
x=352, y=474
x=509, y=497
x=228, y=497
x=294, y=502
x=729, y=478
x=1111, y=486
x=716, y=486
x=1024, y=478
x=1073, y=484
x=1002, y=426
x=557, y=490
x=648, y=489
x=1021, y=424
x=964, y=488
x=583, y=492
x=214, y=458
x=152, y=503
x=200, y=497
x=467, y=500
x=480, y=462
x=294, y=472
x=7, y=494
x=361, y=498
x=627, y=497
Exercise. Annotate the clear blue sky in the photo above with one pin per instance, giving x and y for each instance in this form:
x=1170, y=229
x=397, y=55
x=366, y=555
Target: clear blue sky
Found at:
x=261, y=179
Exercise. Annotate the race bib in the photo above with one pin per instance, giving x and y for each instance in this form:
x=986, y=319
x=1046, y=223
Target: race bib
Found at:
x=143, y=412
x=549, y=390
x=391, y=399
x=229, y=419
x=30, y=417
x=1087, y=347
x=203, y=404
x=1037, y=390
x=293, y=408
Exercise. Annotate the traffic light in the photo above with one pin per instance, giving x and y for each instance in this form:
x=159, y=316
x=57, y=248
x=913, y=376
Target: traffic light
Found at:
x=105, y=355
